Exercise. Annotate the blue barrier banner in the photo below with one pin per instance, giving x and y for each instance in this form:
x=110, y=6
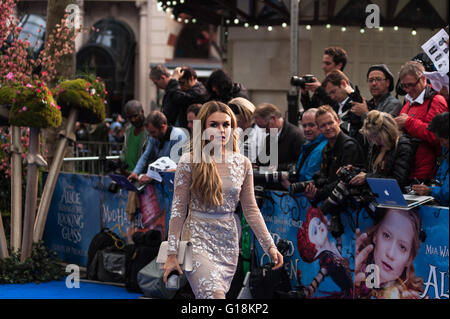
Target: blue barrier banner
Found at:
x=285, y=216
x=396, y=253
x=82, y=205
x=74, y=216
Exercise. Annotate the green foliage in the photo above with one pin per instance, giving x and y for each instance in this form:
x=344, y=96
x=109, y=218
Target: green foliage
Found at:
x=7, y=94
x=35, y=107
x=87, y=96
x=42, y=266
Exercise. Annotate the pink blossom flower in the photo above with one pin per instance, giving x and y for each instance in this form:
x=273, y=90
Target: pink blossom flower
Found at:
x=10, y=76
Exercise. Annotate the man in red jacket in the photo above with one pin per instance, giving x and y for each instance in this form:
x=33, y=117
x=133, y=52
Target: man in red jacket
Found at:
x=423, y=103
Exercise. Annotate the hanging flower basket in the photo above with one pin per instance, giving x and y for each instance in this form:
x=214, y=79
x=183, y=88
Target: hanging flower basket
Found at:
x=34, y=106
x=87, y=96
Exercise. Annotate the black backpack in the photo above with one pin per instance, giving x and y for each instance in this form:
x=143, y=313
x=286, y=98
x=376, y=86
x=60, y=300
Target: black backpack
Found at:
x=266, y=283
x=138, y=255
x=106, y=257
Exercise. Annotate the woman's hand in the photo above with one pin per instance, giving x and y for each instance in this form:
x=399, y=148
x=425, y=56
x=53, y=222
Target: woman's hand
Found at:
x=171, y=265
x=276, y=257
x=361, y=256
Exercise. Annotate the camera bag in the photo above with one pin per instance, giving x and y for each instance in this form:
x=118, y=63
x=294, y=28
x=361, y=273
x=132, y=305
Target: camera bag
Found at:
x=106, y=257
x=140, y=254
x=266, y=283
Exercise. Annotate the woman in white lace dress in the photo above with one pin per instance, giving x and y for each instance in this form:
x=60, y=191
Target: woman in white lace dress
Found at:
x=209, y=183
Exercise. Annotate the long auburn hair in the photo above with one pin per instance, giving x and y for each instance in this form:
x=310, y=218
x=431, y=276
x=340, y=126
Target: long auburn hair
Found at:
x=206, y=182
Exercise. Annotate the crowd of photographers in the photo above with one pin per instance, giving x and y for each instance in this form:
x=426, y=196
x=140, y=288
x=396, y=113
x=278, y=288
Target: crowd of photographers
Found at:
x=343, y=138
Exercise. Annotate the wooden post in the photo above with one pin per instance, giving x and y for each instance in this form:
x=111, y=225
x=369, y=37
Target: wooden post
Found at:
x=3, y=244
x=52, y=177
x=31, y=193
x=16, y=189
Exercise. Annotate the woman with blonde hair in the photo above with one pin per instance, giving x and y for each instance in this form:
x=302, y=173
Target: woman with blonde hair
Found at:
x=208, y=186
x=390, y=153
x=391, y=244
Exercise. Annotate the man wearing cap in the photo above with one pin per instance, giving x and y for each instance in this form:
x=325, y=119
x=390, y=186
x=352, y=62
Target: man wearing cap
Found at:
x=381, y=83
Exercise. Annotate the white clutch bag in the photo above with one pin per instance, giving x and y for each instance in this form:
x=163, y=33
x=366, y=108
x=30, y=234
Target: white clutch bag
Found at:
x=184, y=255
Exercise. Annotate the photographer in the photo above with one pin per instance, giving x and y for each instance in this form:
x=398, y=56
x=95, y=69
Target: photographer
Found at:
x=423, y=103
x=182, y=89
x=381, y=83
x=334, y=58
x=311, y=153
x=162, y=137
x=439, y=125
x=340, y=150
x=390, y=153
x=337, y=85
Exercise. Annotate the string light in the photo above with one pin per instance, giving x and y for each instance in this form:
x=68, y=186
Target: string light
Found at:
x=167, y=6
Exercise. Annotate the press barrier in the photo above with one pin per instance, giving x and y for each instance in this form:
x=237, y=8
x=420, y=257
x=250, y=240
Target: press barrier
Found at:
x=82, y=205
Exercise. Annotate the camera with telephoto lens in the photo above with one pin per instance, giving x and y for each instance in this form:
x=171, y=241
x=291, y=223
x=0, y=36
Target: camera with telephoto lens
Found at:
x=300, y=187
x=344, y=196
x=302, y=80
x=271, y=179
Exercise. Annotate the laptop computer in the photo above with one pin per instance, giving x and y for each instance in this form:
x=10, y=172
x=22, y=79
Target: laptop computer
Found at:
x=389, y=194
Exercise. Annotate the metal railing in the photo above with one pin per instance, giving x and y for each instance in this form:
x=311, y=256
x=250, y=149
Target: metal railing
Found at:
x=92, y=157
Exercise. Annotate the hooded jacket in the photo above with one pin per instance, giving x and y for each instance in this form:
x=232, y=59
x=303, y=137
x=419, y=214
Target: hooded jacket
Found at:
x=416, y=126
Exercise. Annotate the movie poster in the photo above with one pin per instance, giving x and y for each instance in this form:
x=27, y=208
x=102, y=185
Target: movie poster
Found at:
x=392, y=254
x=317, y=263
x=403, y=254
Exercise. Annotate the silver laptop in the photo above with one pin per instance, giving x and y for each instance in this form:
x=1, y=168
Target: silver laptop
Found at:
x=389, y=194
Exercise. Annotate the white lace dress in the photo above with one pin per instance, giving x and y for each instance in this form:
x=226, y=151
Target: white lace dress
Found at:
x=213, y=230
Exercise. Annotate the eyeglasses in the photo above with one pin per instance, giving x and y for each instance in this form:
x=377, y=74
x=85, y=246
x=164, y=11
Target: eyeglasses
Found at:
x=377, y=80
x=405, y=86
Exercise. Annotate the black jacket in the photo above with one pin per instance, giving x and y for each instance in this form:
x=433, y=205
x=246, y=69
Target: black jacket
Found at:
x=237, y=90
x=346, y=151
x=176, y=101
x=397, y=162
x=289, y=145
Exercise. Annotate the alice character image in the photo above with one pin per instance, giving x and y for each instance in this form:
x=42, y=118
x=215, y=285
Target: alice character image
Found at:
x=313, y=243
x=210, y=180
x=390, y=246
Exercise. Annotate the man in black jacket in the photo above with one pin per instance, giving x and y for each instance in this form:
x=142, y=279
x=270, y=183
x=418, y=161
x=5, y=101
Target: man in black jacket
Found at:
x=341, y=150
x=285, y=135
x=334, y=58
x=182, y=89
x=222, y=88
